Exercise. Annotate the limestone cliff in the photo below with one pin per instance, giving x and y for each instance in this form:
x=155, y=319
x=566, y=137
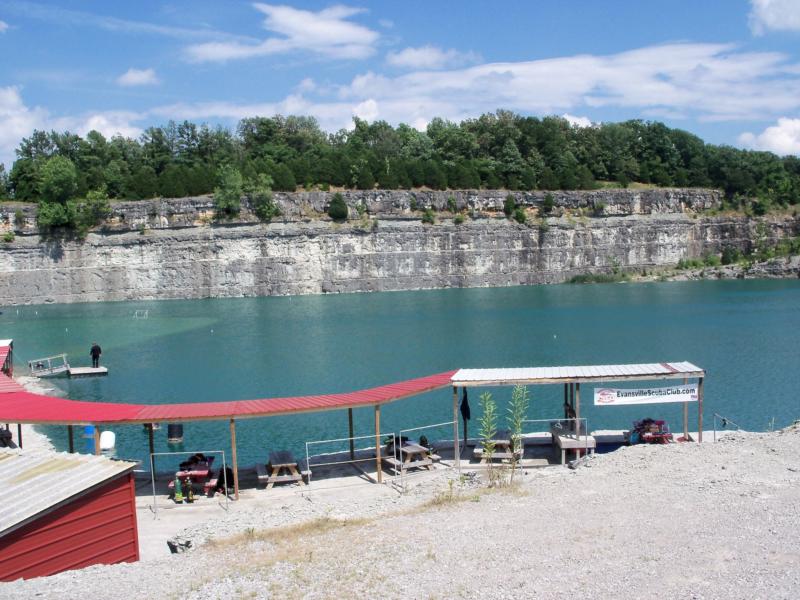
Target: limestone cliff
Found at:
x=174, y=249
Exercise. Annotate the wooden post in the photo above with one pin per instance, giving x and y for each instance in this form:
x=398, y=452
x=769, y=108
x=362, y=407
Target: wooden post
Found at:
x=379, y=472
x=685, y=416
x=96, y=439
x=19, y=435
x=350, y=424
x=235, y=463
x=700, y=410
x=456, y=445
x=566, y=399
x=71, y=437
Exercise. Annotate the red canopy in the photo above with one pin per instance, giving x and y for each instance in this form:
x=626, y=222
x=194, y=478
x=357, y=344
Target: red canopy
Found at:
x=20, y=406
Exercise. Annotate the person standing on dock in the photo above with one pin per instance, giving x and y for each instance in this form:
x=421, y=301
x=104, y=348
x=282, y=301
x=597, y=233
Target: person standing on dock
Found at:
x=95, y=353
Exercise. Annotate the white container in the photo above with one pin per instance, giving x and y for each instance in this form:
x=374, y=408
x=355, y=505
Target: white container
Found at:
x=107, y=440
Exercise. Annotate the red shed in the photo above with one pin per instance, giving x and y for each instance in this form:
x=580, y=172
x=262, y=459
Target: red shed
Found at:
x=64, y=511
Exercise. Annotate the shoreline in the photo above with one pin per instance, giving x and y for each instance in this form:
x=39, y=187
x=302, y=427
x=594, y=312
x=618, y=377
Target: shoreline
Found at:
x=31, y=438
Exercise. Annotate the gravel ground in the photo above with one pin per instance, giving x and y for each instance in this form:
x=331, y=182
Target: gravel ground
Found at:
x=683, y=520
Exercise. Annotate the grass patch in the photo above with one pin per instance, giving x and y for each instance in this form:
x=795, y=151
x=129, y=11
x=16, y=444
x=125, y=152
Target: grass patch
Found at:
x=599, y=278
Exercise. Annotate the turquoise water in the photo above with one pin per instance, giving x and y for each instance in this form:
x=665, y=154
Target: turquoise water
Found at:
x=744, y=333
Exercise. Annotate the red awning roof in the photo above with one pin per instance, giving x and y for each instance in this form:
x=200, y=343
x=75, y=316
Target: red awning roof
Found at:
x=20, y=406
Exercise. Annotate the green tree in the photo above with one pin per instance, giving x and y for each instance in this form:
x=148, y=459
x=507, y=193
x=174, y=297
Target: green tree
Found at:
x=259, y=192
x=283, y=179
x=58, y=180
x=228, y=194
x=548, y=204
x=338, y=208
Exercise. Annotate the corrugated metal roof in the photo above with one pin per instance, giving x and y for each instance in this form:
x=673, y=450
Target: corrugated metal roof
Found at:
x=26, y=407
x=34, y=481
x=534, y=375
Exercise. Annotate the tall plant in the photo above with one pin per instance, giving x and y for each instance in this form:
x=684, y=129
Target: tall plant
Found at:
x=517, y=411
x=488, y=430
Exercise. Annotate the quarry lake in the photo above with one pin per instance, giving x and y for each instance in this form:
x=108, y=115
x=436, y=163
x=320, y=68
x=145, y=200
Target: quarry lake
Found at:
x=744, y=333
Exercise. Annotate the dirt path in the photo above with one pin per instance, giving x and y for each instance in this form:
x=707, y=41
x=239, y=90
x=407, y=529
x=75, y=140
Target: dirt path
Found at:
x=685, y=520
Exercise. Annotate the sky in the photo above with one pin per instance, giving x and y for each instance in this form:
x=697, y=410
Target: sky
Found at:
x=726, y=70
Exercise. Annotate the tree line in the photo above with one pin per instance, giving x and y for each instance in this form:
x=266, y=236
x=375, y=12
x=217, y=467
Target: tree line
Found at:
x=494, y=151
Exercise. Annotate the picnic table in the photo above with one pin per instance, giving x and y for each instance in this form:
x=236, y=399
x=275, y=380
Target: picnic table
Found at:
x=199, y=473
x=412, y=455
x=281, y=468
x=503, y=448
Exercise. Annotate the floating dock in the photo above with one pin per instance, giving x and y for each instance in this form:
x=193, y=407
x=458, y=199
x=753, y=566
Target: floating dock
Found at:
x=87, y=371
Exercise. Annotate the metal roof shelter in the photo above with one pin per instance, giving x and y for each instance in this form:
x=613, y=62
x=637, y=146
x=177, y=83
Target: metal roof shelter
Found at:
x=20, y=406
x=573, y=376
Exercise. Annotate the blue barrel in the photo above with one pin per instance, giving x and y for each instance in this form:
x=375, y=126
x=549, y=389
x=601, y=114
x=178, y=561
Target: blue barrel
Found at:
x=88, y=431
x=174, y=433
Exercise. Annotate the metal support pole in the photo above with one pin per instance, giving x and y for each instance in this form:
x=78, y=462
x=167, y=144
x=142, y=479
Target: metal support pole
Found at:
x=685, y=415
x=578, y=408
x=700, y=410
x=235, y=463
x=456, y=444
x=350, y=425
x=19, y=435
x=71, y=436
x=566, y=399
x=151, y=443
x=379, y=469
x=96, y=439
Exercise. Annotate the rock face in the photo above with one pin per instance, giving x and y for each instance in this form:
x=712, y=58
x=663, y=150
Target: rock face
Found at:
x=173, y=249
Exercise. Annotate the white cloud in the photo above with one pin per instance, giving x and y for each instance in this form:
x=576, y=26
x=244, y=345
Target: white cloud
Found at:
x=774, y=15
x=326, y=33
x=782, y=139
x=577, y=121
x=692, y=81
x=428, y=57
x=77, y=18
x=137, y=77
x=18, y=121
x=3, y=26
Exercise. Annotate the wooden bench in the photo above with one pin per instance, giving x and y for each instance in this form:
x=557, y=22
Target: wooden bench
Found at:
x=479, y=453
x=398, y=465
x=282, y=468
x=572, y=442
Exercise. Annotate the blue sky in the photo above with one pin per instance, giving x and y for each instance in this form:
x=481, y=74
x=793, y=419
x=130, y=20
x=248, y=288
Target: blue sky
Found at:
x=727, y=70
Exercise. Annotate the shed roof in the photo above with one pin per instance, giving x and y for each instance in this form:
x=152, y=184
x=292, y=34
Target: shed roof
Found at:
x=37, y=481
x=573, y=374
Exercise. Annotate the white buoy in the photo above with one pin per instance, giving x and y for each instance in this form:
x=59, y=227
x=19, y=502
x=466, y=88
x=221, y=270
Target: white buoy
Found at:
x=107, y=440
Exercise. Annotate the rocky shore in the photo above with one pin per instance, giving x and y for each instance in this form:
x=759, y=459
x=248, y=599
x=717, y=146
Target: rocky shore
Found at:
x=688, y=520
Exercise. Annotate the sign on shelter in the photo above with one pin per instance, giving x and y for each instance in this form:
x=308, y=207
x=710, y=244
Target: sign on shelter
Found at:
x=619, y=397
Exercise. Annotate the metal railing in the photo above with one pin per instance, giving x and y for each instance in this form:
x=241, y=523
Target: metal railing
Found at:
x=49, y=365
x=320, y=461
x=153, y=473
x=724, y=422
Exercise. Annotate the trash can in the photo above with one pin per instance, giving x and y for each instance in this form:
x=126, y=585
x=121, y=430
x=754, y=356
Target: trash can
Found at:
x=174, y=433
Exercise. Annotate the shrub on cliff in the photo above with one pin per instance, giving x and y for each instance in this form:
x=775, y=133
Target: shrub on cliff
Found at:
x=520, y=216
x=548, y=203
x=260, y=194
x=509, y=205
x=337, y=209
x=228, y=194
